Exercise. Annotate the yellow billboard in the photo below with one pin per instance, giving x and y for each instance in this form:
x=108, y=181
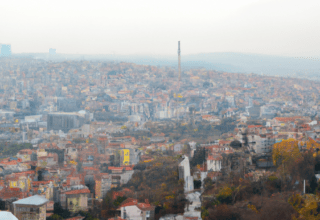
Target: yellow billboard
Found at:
x=126, y=156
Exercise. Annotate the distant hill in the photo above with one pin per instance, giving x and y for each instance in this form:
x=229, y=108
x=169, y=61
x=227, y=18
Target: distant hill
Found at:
x=229, y=62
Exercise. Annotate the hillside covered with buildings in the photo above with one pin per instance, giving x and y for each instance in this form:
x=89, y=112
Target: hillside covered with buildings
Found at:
x=117, y=140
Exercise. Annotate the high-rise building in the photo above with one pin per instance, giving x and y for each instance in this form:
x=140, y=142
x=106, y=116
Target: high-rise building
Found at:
x=5, y=50
x=64, y=121
x=185, y=174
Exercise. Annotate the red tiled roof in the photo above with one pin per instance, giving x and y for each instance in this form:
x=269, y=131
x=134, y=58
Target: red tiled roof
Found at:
x=141, y=206
x=78, y=191
x=27, y=172
x=12, y=162
x=214, y=157
x=129, y=202
x=37, y=183
x=144, y=206
x=7, y=193
x=224, y=142
x=286, y=119
x=128, y=168
x=212, y=146
x=116, y=218
x=115, y=168
x=16, y=189
x=255, y=126
x=25, y=151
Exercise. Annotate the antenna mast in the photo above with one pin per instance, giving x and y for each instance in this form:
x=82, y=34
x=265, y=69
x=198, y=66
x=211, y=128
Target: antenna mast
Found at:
x=179, y=62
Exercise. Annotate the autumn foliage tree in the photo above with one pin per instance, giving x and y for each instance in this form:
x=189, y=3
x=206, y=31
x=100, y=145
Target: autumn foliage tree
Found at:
x=307, y=206
x=158, y=182
x=285, y=152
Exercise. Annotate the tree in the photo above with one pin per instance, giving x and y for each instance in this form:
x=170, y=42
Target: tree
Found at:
x=223, y=212
x=199, y=156
x=224, y=195
x=55, y=217
x=303, y=167
x=276, y=209
x=186, y=149
x=307, y=207
x=235, y=144
x=197, y=184
x=313, y=184
x=207, y=182
x=285, y=152
x=59, y=211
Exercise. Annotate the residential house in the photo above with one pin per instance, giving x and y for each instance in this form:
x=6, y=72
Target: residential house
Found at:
x=172, y=217
x=44, y=188
x=131, y=209
x=21, y=180
x=214, y=162
x=25, y=155
x=121, y=174
x=49, y=160
x=76, y=200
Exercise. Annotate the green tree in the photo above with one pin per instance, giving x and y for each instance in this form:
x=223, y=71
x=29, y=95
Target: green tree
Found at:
x=199, y=157
x=119, y=200
x=55, y=217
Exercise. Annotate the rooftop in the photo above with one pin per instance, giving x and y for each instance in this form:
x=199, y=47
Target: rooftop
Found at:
x=32, y=200
x=7, y=215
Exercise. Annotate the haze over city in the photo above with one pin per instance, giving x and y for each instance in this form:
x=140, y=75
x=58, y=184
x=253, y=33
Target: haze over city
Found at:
x=282, y=27
x=160, y=110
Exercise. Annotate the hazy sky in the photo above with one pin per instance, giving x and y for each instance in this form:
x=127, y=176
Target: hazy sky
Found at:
x=279, y=27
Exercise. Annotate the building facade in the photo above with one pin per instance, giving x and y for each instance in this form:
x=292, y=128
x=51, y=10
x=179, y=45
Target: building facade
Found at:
x=33, y=207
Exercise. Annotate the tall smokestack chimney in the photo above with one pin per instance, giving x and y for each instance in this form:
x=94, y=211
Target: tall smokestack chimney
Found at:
x=179, y=62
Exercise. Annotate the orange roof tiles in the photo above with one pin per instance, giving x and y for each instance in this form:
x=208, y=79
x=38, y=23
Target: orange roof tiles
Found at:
x=77, y=191
x=12, y=162
x=128, y=168
x=224, y=142
x=37, y=183
x=287, y=119
x=25, y=151
x=8, y=193
x=129, y=202
x=214, y=157
x=255, y=126
x=115, y=168
x=116, y=218
x=144, y=206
